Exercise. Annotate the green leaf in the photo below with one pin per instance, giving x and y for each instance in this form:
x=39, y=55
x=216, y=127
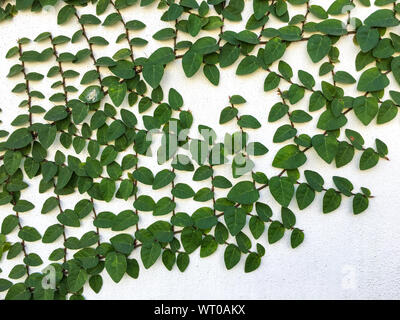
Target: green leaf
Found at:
x=124, y=220
x=256, y=226
x=328, y=121
x=12, y=161
x=194, y=25
x=221, y=182
x=91, y=94
x=275, y=232
x=274, y=50
x=344, y=77
x=296, y=238
x=305, y=195
x=65, y=14
x=18, y=292
x=256, y=149
x=144, y=203
x=76, y=279
x=332, y=27
x=343, y=185
x=387, y=112
x=182, y=261
x=164, y=34
x=17, y=272
x=123, y=69
x=288, y=218
x=360, y=203
x=235, y=219
x=318, y=11
x=212, y=73
x=372, y=80
x=153, y=74
x=367, y=38
x=135, y=25
x=53, y=233
x=365, y=109
x=289, y=157
x=203, y=173
x=344, y=154
x=117, y=93
x=191, y=239
x=123, y=243
x=318, y=47
x=163, y=178
x=325, y=146
x=168, y=259
x=300, y=116
x=231, y=256
x=101, y=7
x=144, y=175
x=282, y=190
x=19, y=138
x=204, y=218
x=104, y=220
x=23, y=206
x=96, y=283
x=115, y=130
x=306, y=79
x=191, y=62
x=33, y=260
x=5, y=285
x=116, y=265
x=381, y=148
x=382, y=18
x=9, y=224
x=174, y=11
x=244, y=193
x=248, y=121
x=395, y=66
x=369, y=159
x=248, y=65
x=208, y=246
x=277, y=111
x=228, y=55
x=253, y=261
x=69, y=218
x=29, y=234
x=271, y=81
x=331, y=201
x=182, y=191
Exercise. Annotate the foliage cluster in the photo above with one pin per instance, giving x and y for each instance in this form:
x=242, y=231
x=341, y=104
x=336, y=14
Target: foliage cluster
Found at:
x=106, y=123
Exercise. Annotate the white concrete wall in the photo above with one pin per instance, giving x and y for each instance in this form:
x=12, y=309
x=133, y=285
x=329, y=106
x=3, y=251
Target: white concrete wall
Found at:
x=343, y=256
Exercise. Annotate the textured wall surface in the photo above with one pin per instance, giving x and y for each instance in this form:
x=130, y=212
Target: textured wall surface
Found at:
x=343, y=256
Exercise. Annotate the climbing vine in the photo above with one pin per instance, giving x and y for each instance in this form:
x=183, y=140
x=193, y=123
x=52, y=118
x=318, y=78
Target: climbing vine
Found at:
x=96, y=139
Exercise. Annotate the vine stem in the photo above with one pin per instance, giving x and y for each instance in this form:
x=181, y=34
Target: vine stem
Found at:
x=90, y=49
x=213, y=189
x=23, y=241
x=305, y=18
x=28, y=92
x=64, y=233
x=173, y=198
x=94, y=218
x=263, y=26
x=290, y=81
x=221, y=29
x=55, y=53
x=136, y=191
x=23, y=244
x=284, y=102
x=126, y=29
